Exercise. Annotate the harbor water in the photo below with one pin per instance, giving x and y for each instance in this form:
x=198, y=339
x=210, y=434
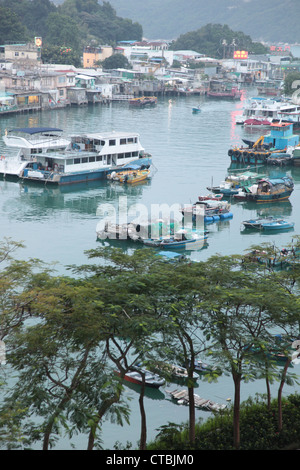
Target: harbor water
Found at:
x=58, y=224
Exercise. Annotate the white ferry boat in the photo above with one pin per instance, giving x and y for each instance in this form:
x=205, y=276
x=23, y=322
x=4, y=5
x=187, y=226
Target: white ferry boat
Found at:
x=45, y=155
x=265, y=109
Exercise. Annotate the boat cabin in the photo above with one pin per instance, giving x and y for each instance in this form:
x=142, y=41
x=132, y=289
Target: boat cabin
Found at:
x=281, y=136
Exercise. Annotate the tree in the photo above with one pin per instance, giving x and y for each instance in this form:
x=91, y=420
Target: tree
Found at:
x=11, y=27
x=60, y=55
x=239, y=314
x=116, y=61
x=292, y=84
x=62, y=31
x=209, y=40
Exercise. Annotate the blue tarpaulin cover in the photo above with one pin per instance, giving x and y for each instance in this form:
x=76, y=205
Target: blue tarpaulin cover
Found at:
x=36, y=130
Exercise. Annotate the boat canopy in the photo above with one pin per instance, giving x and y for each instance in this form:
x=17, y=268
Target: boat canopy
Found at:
x=36, y=130
x=284, y=179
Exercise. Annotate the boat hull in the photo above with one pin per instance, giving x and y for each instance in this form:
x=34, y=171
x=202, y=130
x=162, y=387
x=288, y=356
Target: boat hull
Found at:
x=151, y=380
x=268, y=223
x=78, y=177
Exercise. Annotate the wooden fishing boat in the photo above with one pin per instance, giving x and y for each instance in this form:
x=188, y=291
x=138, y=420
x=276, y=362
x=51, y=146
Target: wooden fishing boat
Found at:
x=133, y=176
x=271, y=190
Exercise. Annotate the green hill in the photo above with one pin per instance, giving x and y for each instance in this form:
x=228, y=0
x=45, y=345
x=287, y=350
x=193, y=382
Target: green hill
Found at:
x=263, y=20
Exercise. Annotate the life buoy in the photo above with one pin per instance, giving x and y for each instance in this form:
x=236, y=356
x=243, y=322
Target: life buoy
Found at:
x=55, y=167
x=2, y=157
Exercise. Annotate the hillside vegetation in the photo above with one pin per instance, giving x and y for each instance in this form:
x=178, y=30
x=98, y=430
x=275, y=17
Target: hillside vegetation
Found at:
x=74, y=23
x=263, y=20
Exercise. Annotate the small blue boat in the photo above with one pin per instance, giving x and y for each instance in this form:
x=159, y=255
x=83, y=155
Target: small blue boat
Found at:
x=182, y=239
x=268, y=223
x=196, y=109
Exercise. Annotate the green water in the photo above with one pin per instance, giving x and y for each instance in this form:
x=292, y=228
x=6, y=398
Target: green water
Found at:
x=189, y=153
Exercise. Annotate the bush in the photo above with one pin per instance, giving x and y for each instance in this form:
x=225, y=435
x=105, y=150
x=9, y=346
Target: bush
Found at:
x=258, y=429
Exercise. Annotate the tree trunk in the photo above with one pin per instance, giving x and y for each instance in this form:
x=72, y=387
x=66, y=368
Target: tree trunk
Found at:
x=50, y=424
x=284, y=372
x=236, y=410
x=192, y=418
x=268, y=393
x=143, y=439
x=105, y=406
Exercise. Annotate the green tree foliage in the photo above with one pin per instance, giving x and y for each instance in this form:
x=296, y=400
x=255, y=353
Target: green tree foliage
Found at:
x=74, y=24
x=67, y=336
x=209, y=40
x=11, y=27
x=60, y=55
x=62, y=31
x=292, y=83
x=116, y=61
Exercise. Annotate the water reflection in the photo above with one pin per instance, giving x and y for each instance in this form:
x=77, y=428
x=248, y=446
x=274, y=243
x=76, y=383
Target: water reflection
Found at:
x=40, y=201
x=152, y=393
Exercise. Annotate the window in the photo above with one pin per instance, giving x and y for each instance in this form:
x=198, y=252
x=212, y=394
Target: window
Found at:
x=122, y=141
x=92, y=159
x=112, y=142
x=76, y=161
x=99, y=158
x=130, y=140
x=84, y=160
x=121, y=155
x=127, y=155
x=70, y=161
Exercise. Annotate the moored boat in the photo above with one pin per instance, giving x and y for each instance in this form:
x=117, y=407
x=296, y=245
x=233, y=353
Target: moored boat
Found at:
x=274, y=259
x=143, y=101
x=211, y=197
x=267, y=109
x=45, y=157
x=220, y=89
x=175, y=372
x=270, y=190
x=234, y=183
x=151, y=379
x=268, y=223
x=196, y=109
x=280, y=159
x=210, y=210
x=183, y=238
x=257, y=123
x=132, y=175
x=280, y=140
